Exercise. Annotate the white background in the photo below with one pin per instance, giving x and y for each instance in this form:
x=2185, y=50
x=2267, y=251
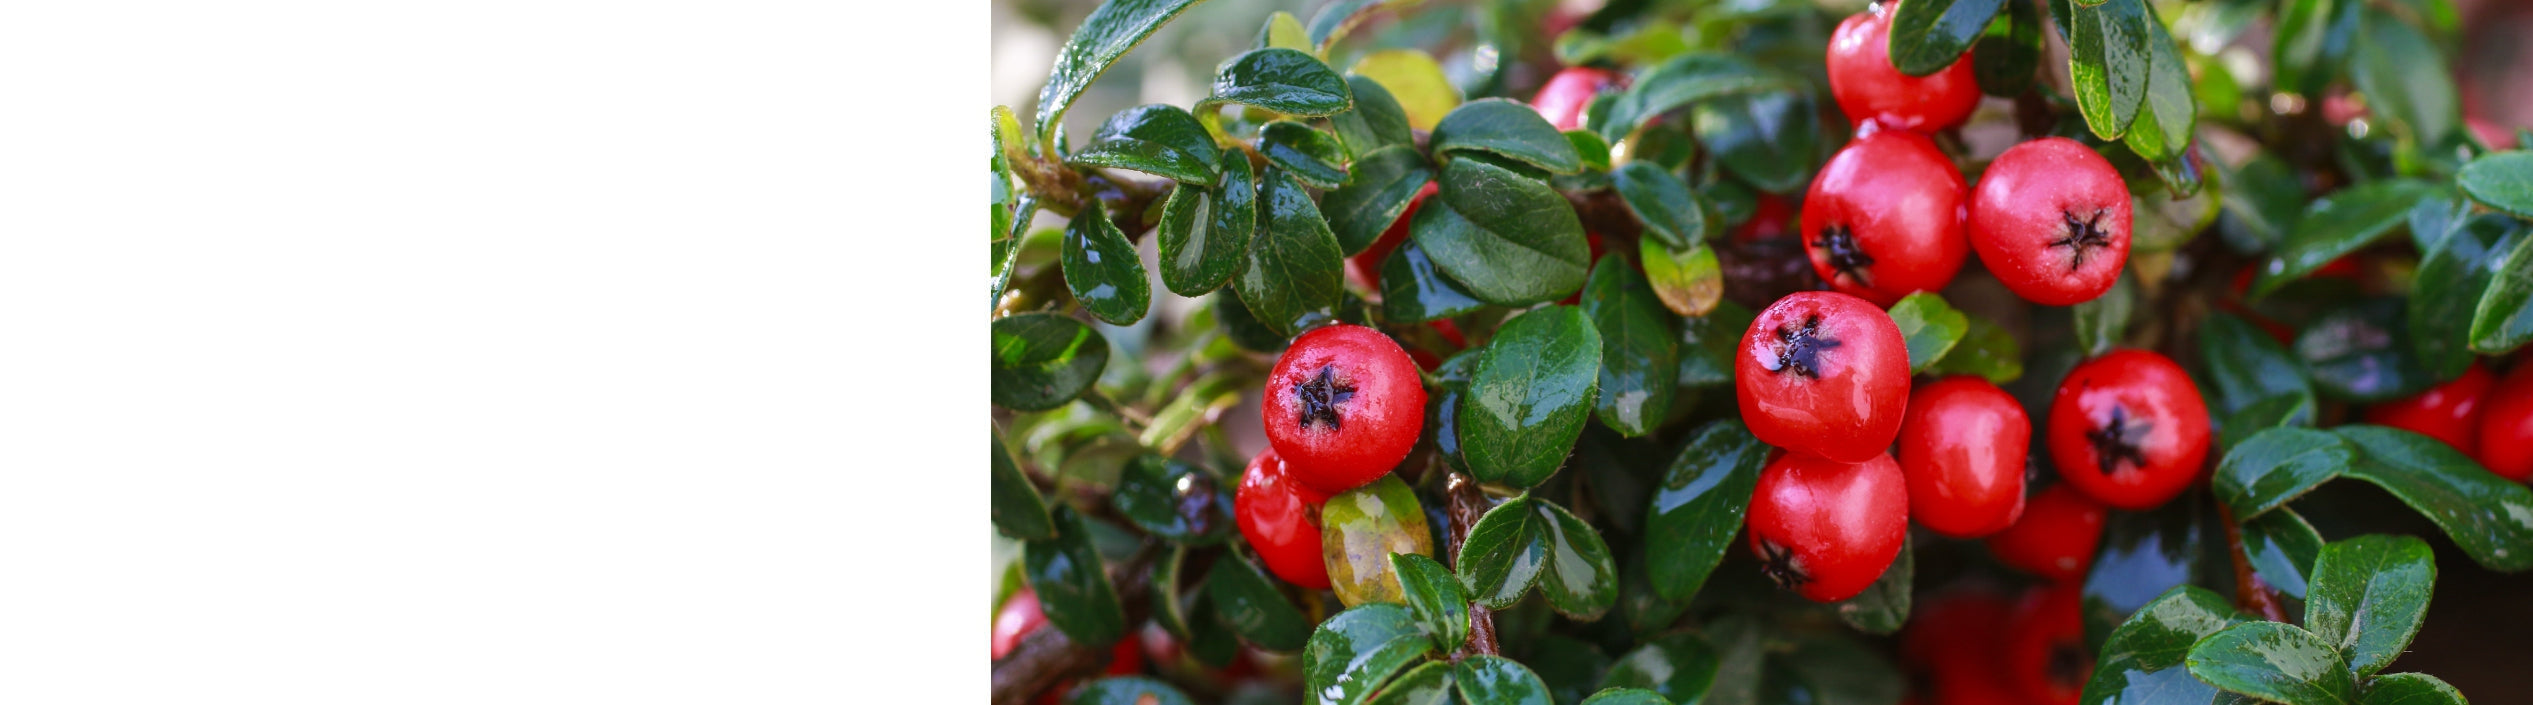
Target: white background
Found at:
x=490, y=352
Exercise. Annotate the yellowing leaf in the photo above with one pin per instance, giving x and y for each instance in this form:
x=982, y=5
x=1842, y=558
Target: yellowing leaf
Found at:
x=1284, y=30
x=1416, y=80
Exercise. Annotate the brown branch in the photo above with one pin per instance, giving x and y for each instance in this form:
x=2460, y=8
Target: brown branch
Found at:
x=1047, y=656
x=1465, y=505
x=2250, y=593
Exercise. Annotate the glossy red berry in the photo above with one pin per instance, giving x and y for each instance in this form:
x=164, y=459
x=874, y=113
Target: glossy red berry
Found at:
x=1823, y=373
x=1770, y=216
x=1953, y=638
x=1280, y=518
x=1884, y=218
x=2056, y=537
x=2045, y=657
x=1868, y=87
x=2506, y=425
x=1343, y=406
x=1365, y=267
x=2129, y=429
x=1019, y=616
x=1962, y=448
x=2051, y=219
x=2448, y=412
x=1826, y=529
x=1568, y=94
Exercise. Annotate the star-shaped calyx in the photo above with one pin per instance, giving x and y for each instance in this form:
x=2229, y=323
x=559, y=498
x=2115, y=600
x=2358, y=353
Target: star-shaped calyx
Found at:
x=1838, y=245
x=2119, y=439
x=1799, y=349
x=1777, y=562
x=2084, y=235
x=1322, y=395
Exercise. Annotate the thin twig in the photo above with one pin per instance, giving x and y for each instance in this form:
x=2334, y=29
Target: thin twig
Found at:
x=1465, y=505
x=1047, y=656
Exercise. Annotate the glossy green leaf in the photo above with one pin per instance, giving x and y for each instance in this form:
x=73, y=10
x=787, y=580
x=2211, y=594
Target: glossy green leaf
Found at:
x=1928, y=35
x=1413, y=290
x=1205, y=232
x=1042, y=360
x=1294, y=265
x=1771, y=139
x=2264, y=198
x=1336, y=18
x=1255, y=610
x=2490, y=517
x=1127, y=690
x=2340, y=223
x=1353, y=652
x=2502, y=180
x=1376, y=121
x=1508, y=238
x=1884, y=605
x=2142, y=555
x=1110, y=31
x=2275, y=466
x=1508, y=129
x=1709, y=341
x=1987, y=350
x=1571, y=667
x=1072, y=583
x=2008, y=54
x=1688, y=282
x=1314, y=157
x=1640, y=348
x=1699, y=506
x=1678, y=667
x=2314, y=38
x=2369, y=596
x=1007, y=249
x=2272, y=412
x=2281, y=548
x=1504, y=554
x=1529, y=396
x=1672, y=215
x=1441, y=604
x=2355, y=352
x=1427, y=684
x=2410, y=689
x=2404, y=78
x=2142, y=661
x=1682, y=80
x=2246, y=366
x=2275, y=662
x=1282, y=80
x=1385, y=181
x=1101, y=268
x=2503, y=320
x=1242, y=327
x=1841, y=670
x=2449, y=287
x=1626, y=696
x=1578, y=575
x=2170, y=112
x=2111, y=63
x=1157, y=139
x=1594, y=151
x=1173, y=500
x=1361, y=529
x=1018, y=510
x=1495, y=680
x=1930, y=326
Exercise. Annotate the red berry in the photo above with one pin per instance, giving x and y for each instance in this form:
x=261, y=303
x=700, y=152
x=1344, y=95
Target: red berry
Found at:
x=1019, y=616
x=2051, y=219
x=1825, y=374
x=2129, y=429
x=1365, y=267
x=1827, y=529
x=2045, y=657
x=1953, y=636
x=1343, y=406
x=1868, y=88
x=1884, y=218
x=2506, y=425
x=2056, y=536
x=1280, y=518
x=2448, y=412
x=1962, y=447
x=1569, y=93
x=1768, y=218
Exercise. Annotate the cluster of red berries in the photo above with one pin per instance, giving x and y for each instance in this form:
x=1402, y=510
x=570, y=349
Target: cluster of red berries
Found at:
x=1342, y=406
x=2480, y=414
x=1974, y=646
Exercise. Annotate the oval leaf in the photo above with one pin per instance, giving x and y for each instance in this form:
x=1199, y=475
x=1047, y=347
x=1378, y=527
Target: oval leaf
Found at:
x=1110, y=31
x=1428, y=684
x=2246, y=366
x=1509, y=238
x=1699, y=506
x=2404, y=78
x=2275, y=662
x=1494, y=680
x=2281, y=548
x=2354, y=352
x=1376, y=121
x=1415, y=80
x=1579, y=578
x=2103, y=321
x=1679, y=667
x=1018, y=510
x=2369, y=596
x=2449, y=287
x=1507, y=129
x=1362, y=529
x=1353, y=652
x=1294, y=266
x=1503, y=555
x=1042, y=360
x=1671, y=214
x=1249, y=603
x=2503, y=180
x=2276, y=466
x=1928, y=35
x=2142, y=555
x=1072, y=583
x=1533, y=386
x=1436, y=596
x=1282, y=80
x=1987, y=350
x=1205, y=232
x=1640, y=348
x=2009, y=53
x=2503, y=320
x=1930, y=326
x=2410, y=689
x=1154, y=139
x=1385, y=181
x=1314, y=157
x=2338, y=224
x=1413, y=290
x=1688, y=282
x=2490, y=517
x=1884, y=605
x=1682, y=80
x=2141, y=663
x=1771, y=139
x=1101, y=268
x=1173, y=500
x=2110, y=63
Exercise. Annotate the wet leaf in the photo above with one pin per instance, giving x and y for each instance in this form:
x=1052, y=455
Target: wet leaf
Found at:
x=1771, y=139
x=1707, y=343
x=1508, y=238
x=1336, y=18
x=2103, y=322
x=2369, y=597
x=2246, y=366
x=1884, y=605
x=2502, y=180
x=2449, y=286
x=1127, y=690
x=1294, y=265
x=1157, y=139
x=1101, y=268
x=1682, y=80
x=1987, y=350
x=2276, y=466
x=1311, y=156
x=1361, y=529
x=1534, y=385
x=1503, y=556
x=1577, y=575
x=2404, y=78
x=1205, y=232
x=1249, y=603
x=1626, y=696
x=1426, y=684
x=1930, y=326
x=1699, y=506
x=1385, y=181
x=1640, y=349
x=2355, y=352
x=2503, y=320
x=2275, y=662
x=1242, y=327
x=1413, y=290
x=1508, y=129
x=1423, y=92
x=1018, y=510
x=1376, y=121
x=1678, y=667
x=1173, y=500
x=2142, y=555
x=1495, y=680
x=1110, y=31
x=1436, y=596
x=1072, y=583
x=2490, y=517
x=1672, y=215
x=2281, y=548
x=2340, y=223
x=2165, y=123
x=2142, y=662
x=1928, y=35
x=2410, y=689
x=1042, y=360
x=1353, y=652
x=2008, y=55
x=2110, y=63
x=1282, y=80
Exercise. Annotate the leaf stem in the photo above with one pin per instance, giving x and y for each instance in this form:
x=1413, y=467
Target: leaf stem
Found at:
x=1466, y=503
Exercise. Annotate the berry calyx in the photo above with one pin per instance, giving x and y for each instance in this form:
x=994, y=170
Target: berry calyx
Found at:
x=2506, y=425
x=2051, y=219
x=1868, y=88
x=2056, y=536
x=2129, y=429
x=1280, y=518
x=1567, y=95
x=1823, y=373
x=1826, y=529
x=1884, y=218
x=1962, y=448
x=1343, y=405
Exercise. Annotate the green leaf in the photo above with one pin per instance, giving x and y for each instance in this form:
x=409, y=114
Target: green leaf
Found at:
x=1242, y=327
x=1154, y=139
x=1495, y=680
x=1294, y=265
x=2265, y=199
x=2111, y=63
x=1930, y=326
x=1007, y=249
x=2404, y=78
x=2281, y=548
x=2340, y=223
x=1284, y=30
x=2314, y=38
x=1424, y=93
x=1841, y=670
x=1173, y=500
x=1127, y=690
x=1672, y=215
x=1110, y=31
x=2141, y=663
x=1436, y=596
x=2490, y=517
x=2008, y=54
x=1337, y=18
x=2142, y=555
x=1699, y=506
x=2354, y=353
x=1503, y=556
x=1249, y=603
x=1385, y=181
x=2503, y=180
x=2437, y=218
x=1709, y=341
x=1640, y=349
x=2410, y=689
x=2171, y=112
x=1101, y=268
x=1688, y=282
x=2272, y=412
x=1884, y=605
x=1987, y=350
x=2448, y=289
x=1282, y=80
x=1570, y=667
x=1426, y=684
x=1018, y=510
x=1508, y=129
x=1414, y=291
x=2275, y=466
x=1533, y=387
x=1072, y=583
x=1589, y=145
x=1353, y=652
x=1314, y=157
x=1578, y=576
x=2369, y=597
x=2503, y=321
x=2247, y=366
x=1626, y=696
x=1928, y=35
x=1771, y=139
x=1678, y=667
x=1205, y=232
x=1682, y=80
x=1376, y=121
x=1042, y=360
x=2275, y=662
x=1738, y=640
x=1508, y=238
